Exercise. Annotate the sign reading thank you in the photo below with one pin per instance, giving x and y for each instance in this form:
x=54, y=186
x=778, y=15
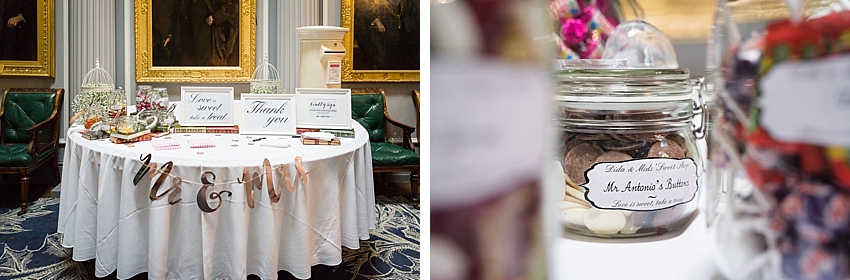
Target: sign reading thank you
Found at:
x=268, y=114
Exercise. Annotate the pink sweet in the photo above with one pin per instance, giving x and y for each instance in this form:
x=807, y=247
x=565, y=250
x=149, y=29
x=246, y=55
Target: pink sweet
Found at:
x=573, y=31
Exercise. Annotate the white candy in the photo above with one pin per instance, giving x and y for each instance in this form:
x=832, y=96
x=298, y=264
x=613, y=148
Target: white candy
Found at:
x=574, y=193
x=574, y=216
x=560, y=170
x=577, y=201
x=630, y=227
x=604, y=221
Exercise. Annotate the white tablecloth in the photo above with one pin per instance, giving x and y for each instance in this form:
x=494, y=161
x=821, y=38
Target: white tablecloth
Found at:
x=104, y=216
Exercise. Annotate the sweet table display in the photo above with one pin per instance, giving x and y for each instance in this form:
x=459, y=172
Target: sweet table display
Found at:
x=214, y=205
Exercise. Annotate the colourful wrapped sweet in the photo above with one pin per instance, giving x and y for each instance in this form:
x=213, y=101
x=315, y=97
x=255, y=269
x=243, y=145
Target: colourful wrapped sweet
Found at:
x=583, y=26
x=564, y=8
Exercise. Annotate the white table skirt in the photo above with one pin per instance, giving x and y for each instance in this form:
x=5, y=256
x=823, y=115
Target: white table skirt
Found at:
x=104, y=216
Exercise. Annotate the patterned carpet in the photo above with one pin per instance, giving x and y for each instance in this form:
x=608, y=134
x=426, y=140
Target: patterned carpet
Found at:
x=32, y=248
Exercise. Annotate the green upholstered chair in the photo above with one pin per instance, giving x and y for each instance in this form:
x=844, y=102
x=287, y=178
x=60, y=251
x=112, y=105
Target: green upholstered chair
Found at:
x=29, y=121
x=369, y=108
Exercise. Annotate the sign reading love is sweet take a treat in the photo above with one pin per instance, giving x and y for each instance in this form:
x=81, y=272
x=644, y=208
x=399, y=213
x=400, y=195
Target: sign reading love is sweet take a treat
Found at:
x=206, y=105
x=268, y=114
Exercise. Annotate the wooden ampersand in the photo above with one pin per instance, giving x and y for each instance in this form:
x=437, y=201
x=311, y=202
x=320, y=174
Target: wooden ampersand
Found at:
x=174, y=190
x=202, y=200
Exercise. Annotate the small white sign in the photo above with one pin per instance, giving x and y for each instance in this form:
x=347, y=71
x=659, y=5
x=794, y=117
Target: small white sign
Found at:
x=209, y=106
x=268, y=114
x=808, y=101
x=642, y=184
x=334, y=72
x=323, y=108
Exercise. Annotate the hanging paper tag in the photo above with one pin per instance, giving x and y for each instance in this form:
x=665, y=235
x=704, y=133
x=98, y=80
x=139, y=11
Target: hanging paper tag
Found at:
x=808, y=101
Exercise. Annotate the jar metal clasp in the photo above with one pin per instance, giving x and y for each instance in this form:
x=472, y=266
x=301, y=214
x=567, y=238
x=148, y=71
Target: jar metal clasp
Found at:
x=700, y=108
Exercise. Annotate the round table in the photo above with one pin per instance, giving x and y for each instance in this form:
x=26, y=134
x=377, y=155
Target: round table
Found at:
x=105, y=216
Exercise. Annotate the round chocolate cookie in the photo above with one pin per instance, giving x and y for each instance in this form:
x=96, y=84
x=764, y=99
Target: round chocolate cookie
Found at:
x=678, y=139
x=572, y=144
x=667, y=216
x=666, y=149
x=612, y=156
x=593, y=136
x=579, y=159
x=642, y=219
x=622, y=146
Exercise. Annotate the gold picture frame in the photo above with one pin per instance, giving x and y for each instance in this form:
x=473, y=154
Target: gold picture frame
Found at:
x=349, y=74
x=239, y=61
x=37, y=57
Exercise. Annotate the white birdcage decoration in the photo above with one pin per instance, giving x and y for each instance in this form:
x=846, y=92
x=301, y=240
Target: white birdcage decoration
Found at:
x=265, y=79
x=97, y=89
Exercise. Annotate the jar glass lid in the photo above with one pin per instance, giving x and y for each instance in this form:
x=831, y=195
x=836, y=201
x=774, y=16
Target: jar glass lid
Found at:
x=623, y=85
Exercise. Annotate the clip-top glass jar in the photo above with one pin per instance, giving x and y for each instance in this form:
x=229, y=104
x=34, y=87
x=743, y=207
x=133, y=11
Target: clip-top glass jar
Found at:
x=628, y=151
x=144, y=97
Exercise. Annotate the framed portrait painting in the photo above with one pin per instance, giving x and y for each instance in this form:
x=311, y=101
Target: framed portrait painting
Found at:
x=26, y=38
x=200, y=41
x=382, y=43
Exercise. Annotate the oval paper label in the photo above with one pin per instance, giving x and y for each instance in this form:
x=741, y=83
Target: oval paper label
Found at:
x=642, y=184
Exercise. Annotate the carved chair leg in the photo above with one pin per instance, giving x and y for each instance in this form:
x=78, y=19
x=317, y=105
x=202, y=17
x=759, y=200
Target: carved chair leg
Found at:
x=25, y=189
x=89, y=264
x=56, y=171
x=414, y=187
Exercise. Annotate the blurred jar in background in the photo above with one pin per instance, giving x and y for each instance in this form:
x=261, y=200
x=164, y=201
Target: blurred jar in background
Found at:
x=781, y=152
x=492, y=117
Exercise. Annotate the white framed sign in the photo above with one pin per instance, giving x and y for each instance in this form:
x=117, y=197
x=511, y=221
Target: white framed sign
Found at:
x=210, y=106
x=323, y=108
x=268, y=114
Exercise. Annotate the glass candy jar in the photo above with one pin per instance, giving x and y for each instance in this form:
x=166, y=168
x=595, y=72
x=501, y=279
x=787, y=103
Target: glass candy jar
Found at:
x=159, y=99
x=94, y=114
x=143, y=97
x=119, y=105
x=627, y=152
x=126, y=125
x=166, y=119
x=788, y=182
